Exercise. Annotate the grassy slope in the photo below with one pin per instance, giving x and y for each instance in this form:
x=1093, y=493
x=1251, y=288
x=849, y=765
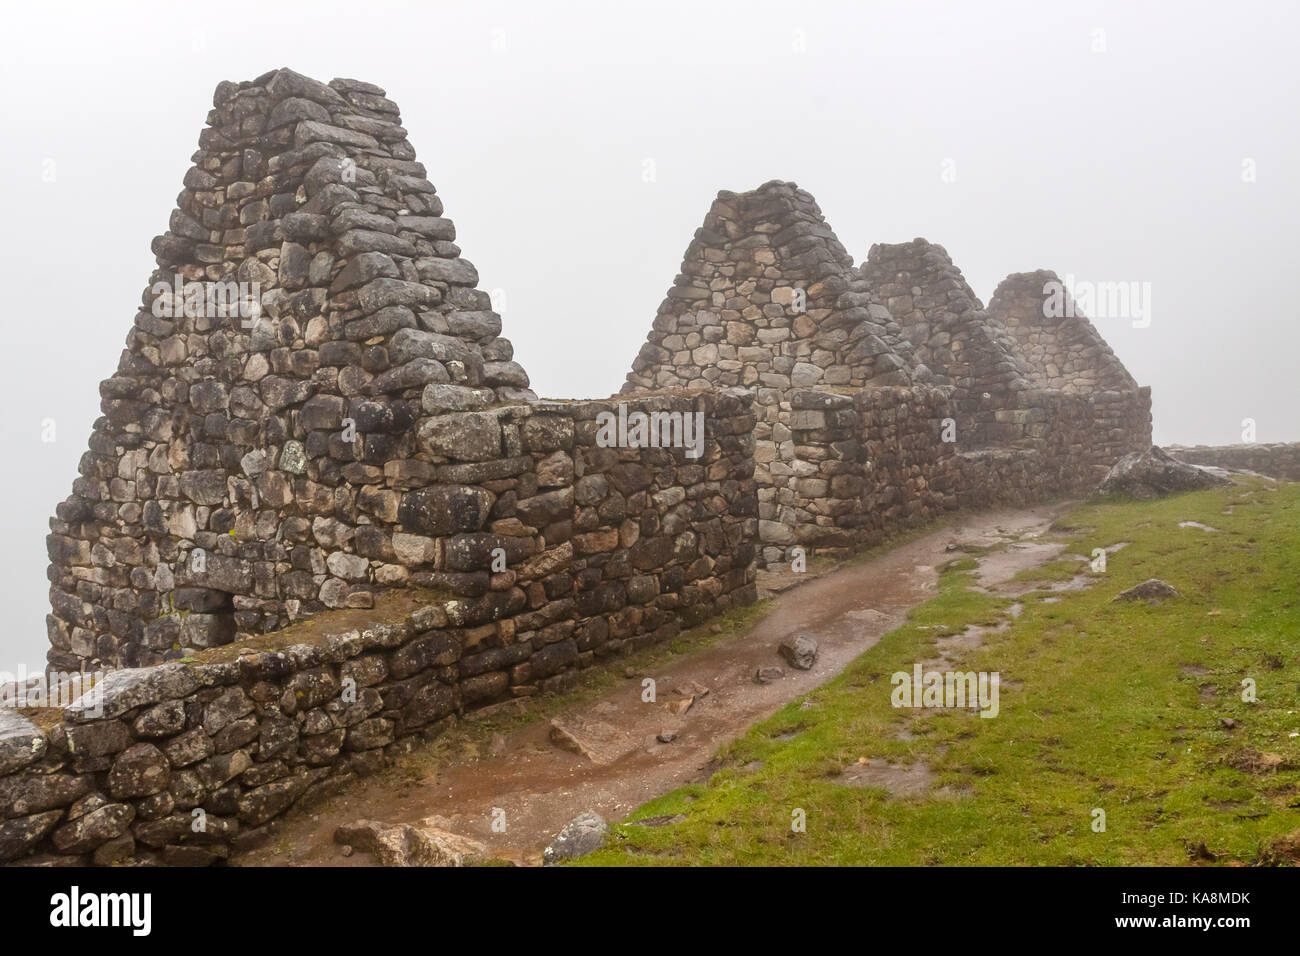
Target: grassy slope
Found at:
x=1107, y=707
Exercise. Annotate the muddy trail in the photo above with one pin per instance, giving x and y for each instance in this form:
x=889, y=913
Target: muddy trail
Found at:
x=611, y=751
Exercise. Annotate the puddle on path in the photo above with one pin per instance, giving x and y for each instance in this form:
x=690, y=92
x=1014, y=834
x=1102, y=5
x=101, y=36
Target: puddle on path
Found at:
x=1000, y=567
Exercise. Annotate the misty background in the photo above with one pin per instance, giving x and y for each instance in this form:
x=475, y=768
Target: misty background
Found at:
x=1103, y=140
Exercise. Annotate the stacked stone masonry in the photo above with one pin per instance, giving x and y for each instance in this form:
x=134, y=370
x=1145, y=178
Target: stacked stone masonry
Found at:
x=1062, y=352
x=323, y=514
x=885, y=394
x=1277, y=460
x=606, y=550
x=224, y=425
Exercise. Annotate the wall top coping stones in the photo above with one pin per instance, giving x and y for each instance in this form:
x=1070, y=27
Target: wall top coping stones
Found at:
x=21, y=741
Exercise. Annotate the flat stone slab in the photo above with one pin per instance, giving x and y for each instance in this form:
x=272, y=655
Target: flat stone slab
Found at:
x=583, y=834
x=599, y=742
x=406, y=845
x=21, y=741
x=123, y=690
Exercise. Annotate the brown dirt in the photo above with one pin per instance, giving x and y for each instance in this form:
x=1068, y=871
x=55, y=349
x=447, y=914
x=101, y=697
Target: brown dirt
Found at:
x=900, y=780
x=1251, y=760
x=542, y=777
x=1284, y=851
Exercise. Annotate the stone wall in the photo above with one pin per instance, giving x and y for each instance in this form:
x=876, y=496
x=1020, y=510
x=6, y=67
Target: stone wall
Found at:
x=945, y=323
x=1063, y=351
x=873, y=463
x=767, y=299
x=322, y=512
x=732, y=316
x=606, y=549
x=885, y=393
x=276, y=426
x=1280, y=460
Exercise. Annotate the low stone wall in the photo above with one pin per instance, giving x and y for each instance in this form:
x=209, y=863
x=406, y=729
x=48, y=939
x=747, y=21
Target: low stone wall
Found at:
x=605, y=548
x=860, y=466
x=426, y=510
x=1280, y=460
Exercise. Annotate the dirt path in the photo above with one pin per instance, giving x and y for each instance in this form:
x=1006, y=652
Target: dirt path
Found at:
x=621, y=761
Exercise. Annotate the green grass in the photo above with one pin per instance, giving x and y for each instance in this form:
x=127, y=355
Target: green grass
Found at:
x=1054, y=571
x=1102, y=705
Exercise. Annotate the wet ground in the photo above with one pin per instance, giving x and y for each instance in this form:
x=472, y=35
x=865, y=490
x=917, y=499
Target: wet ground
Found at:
x=612, y=752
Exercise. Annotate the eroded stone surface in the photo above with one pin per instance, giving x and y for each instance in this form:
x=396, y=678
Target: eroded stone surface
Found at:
x=583, y=834
x=1154, y=473
x=21, y=741
x=1152, y=590
x=799, y=651
x=403, y=844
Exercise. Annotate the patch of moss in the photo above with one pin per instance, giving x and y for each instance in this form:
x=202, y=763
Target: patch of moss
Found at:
x=46, y=718
x=391, y=607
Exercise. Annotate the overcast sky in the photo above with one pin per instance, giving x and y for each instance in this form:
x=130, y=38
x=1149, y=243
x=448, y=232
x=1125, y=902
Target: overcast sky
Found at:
x=1103, y=140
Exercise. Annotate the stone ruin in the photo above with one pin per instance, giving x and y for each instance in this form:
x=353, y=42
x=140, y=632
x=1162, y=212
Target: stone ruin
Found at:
x=885, y=393
x=322, y=511
x=308, y=275
x=1060, y=352
x=355, y=434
